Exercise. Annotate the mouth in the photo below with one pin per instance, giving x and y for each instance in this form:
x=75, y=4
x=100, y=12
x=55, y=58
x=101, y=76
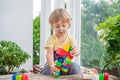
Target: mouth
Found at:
x=61, y=32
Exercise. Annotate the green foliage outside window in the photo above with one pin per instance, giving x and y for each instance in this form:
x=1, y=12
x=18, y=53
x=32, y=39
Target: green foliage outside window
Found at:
x=36, y=40
x=110, y=37
x=93, y=54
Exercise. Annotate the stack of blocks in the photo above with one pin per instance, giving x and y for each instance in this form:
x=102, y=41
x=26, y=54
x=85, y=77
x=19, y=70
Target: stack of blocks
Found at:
x=63, y=59
x=19, y=76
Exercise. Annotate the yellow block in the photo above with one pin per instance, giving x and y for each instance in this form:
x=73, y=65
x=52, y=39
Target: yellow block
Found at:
x=18, y=77
x=66, y=47
x=64, y=70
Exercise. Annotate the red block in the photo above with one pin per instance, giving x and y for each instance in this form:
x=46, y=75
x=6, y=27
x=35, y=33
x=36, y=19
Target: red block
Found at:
x=70, y=56
x=62, y=52
x=66, y=64
x=57, y=67
x=106, y=76
x=24, y=76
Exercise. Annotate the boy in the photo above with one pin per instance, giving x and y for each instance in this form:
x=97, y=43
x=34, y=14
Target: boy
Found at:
x=60, y=22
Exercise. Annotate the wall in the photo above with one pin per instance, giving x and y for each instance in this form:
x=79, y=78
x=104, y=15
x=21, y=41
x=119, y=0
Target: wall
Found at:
x=16, y=23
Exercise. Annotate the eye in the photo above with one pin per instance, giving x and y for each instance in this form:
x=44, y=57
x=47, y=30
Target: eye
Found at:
x=57, y=26
x=63, y=25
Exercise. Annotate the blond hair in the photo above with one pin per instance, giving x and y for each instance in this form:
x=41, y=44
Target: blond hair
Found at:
x=59, y=14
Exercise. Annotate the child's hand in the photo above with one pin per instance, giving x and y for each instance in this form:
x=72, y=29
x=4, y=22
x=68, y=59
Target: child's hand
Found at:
x=75, y=51
x=53, y=68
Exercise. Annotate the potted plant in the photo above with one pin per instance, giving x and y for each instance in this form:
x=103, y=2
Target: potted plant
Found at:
x=109, y=35
x=11, y=56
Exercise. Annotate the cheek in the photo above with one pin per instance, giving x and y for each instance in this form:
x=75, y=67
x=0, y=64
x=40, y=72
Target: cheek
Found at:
x=67, y=28
x=56, y=30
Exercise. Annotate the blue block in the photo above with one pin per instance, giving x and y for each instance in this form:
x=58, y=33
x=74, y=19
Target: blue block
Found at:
x=57, y=73
x=14, y=75
x=61, y=60
x=65, y=67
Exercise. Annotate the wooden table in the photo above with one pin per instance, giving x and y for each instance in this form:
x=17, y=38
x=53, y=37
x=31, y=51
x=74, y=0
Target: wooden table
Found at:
x=42, y=77
x=32, y=76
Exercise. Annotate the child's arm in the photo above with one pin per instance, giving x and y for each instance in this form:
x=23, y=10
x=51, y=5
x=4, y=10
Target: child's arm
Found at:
x=50, y=59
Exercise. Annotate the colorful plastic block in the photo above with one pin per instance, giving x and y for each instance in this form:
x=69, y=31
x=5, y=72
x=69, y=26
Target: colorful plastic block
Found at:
x=18, y=77
x=58, y=73
x=70, y=56
x=58, y=63
x=60, y=60
x=67, y=48
x=64, y=70
x=68, y=59
x=106, y=76
x=65, y=67
x=57, y=67
x=101, y=76
x=57, y=76
x=62, y=53
x=24, y=76
x=67, y=62
x=14, y=75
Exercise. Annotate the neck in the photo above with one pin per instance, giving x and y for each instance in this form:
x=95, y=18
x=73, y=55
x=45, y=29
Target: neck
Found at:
x=62, y=38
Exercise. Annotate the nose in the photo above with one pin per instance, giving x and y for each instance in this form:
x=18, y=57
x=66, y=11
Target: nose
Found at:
x=61, y=28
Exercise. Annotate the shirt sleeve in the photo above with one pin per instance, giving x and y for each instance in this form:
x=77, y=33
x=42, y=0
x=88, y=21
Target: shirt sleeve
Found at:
x=49, y=43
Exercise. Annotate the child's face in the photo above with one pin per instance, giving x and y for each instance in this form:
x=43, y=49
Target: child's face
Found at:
x=60, y=28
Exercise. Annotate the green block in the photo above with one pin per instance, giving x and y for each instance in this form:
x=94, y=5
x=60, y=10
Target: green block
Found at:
x=56, y=76
x=58, y=63
x=70, y=60
x=67, y=61
x=101, y=76
x=70, y=48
